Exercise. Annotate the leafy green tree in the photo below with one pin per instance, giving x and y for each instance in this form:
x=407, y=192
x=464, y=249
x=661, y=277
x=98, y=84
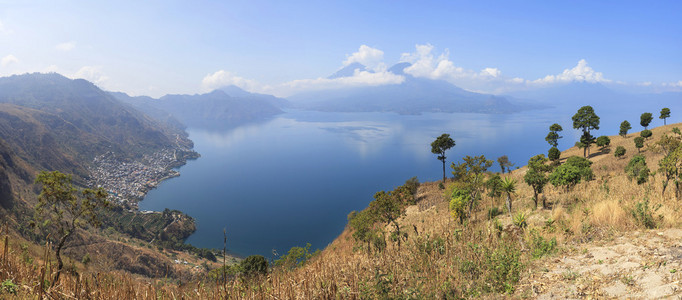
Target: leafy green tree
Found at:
x=670, y=166
x=62, y=209
x=624, y=127
x=387, y=209
x=471, y=174
x=603, y=142
x=639, y=143
x=554, y=155
x=665, y=113
x=553, y=135
x=620, y=151
x=254, y=265
x=646, y=134
x=509, y=188
x=459, y=198
x=645, y=119
x=586, y=120
x=504, y=163
x=439, y=146
x=535, y=176
x=363, y=226
x=494, y=186
x=572, y=172
x=296, y=257
x=637, y=169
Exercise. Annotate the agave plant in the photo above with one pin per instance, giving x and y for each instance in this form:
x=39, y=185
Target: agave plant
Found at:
x=509, y=188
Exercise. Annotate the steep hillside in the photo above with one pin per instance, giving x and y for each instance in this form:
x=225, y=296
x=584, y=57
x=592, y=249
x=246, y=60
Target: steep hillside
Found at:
x=224, y=107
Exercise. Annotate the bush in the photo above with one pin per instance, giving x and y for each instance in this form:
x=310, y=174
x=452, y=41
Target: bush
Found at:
x=254, y=265
x=637, y=169
x=639, y=143
x=458, y=201
x=643, y=214
x=646, y=133
x=520, y=220
x=554, y=154
x=620, y=151
x=603, y=141
x=8, y=287
x=541, y=246
x=505, y=267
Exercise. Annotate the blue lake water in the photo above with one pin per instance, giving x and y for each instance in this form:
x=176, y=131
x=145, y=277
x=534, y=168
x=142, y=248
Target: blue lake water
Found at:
x=294, y=179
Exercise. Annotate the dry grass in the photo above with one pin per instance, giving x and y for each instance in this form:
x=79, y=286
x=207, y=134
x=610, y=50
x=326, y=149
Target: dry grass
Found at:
x=440, y=259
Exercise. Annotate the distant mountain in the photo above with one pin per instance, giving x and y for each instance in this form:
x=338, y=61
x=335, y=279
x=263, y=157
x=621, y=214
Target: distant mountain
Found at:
x=227, y=106
x=414, y=95
x=56, y=123
x=348, y=70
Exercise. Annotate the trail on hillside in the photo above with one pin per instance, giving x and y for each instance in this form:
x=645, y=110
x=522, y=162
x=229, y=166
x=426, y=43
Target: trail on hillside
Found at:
x=641, y=264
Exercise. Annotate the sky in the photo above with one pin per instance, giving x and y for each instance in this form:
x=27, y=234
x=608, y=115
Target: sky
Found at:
x=285, y=47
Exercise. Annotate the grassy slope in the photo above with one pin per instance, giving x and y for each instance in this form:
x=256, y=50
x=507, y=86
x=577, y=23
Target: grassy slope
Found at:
x=441, y=259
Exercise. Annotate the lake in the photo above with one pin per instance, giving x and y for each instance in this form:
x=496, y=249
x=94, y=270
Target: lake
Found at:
x=293, y=179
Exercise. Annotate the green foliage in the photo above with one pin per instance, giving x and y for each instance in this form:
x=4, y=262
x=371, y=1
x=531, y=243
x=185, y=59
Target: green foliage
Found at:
x=637, y=169
x=586, y=120
x=665, y=113
x=86, y=259
x=505, y=164
x=412, y=185
x=620, y=151
x=639, y=143
x=541, y=246
x=646, y=133
x=553, y=135
x=62, y=208
x=494, y=186
x=459, y=198
x=509, y=188
x=566, y=176
x=296, y=257
x=520, y=220
x=439, y=146
x=8, y=287
x=643, y=214
x=624, y=127
x=554, y=154
x=470, y=176
x=535, y=176
x=583, y=165
x=505, y=265
x=603, y=141
x=256, y=265
x=645, y=119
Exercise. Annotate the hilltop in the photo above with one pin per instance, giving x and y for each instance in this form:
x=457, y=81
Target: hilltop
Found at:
x=607, y=237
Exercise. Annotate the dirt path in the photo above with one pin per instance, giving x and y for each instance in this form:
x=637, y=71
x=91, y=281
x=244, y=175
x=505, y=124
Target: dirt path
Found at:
x=646, y=264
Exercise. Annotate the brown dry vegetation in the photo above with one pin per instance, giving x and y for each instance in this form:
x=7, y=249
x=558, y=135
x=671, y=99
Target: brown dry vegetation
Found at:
x=440, y=259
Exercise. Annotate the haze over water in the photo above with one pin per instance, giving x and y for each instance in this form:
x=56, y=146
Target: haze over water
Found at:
x=294, y=179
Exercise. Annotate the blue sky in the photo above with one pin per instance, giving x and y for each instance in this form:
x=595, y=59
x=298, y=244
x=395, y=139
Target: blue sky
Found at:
x=283, y=47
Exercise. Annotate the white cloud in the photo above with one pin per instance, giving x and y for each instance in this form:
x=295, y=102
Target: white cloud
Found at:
x=371, y=58
x=581, y=72
x=490, y=72
x=93, y=74
x=359, y=78
x=9, y=59
x=224, y=78
x=66, y=46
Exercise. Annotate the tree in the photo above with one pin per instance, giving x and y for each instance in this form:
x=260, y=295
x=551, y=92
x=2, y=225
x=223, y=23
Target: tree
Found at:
x=620, y=151
x=624, y=127
x=639, y=143
x=645, y=119
x=504, y=163
x=572, y=172
x=254, y=265
x=439, y=146
x=637, y=169
x=470, y=173
x=494, y=186
x=387, y=209
x=665, y=113
x=603, y=142
x=586, y=120
x=62, y=208
x=535, y=176
x=509, y=188
x=554, y=154
x=646, y=134
x=553, y=135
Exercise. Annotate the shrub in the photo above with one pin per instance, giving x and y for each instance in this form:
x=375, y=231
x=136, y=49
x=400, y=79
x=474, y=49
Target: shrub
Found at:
x=554, y=154
x=639, y=143
x=643, y=214
x=603, y=141
x=520, y=220
x=297, y=256
x=8, y=287
x=541, y=246
x=637, y=169
x=646, y=133
x=458, y=201
x=620, y=151
x=254, y=265
x=505, y=266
